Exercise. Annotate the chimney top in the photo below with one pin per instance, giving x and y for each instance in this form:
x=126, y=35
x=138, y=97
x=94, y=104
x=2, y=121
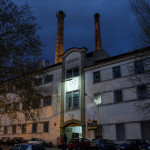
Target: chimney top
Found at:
x=96, y=15
x=60, y=13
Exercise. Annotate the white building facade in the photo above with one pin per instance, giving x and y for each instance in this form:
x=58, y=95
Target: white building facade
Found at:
x=90, y=95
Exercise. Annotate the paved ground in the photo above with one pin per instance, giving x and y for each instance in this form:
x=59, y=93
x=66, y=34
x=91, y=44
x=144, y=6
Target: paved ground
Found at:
x=8, y=147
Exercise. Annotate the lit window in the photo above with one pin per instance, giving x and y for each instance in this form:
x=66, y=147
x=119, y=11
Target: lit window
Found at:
x=139, y=67
x=142, y=92
x=96, y=77
x=116, y=72
x=72, y=100
x=97, y=99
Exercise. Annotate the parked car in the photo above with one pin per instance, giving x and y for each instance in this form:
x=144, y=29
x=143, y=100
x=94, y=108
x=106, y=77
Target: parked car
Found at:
x=0, y=148
x=37, y=141
x=145, y=147
x=102, y=144
x=28, y=146
x=78, y=143
x=132, y=144
x=17, y=140
x=6, y=140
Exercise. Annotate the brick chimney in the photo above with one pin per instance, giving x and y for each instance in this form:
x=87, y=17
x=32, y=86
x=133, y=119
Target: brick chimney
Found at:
x=60, y=38
x=98, y=45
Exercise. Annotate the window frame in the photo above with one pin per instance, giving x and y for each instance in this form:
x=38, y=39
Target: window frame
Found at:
x=46, y=126
x=72, y=101
x=138, y=93
x=115, y=73
x=117, y=132
x=44, y=103
x=94, y=77
x=23, y=128
x=72, y=72
x=136, y=70
x=34, y=127
x=115, y=96
x=14, y=129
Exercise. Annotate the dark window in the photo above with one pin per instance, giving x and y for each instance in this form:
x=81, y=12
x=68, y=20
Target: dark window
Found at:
x=116, y=72
x=48, y=78
x=38, y=81
x=139, y=67
x=47, y=101
x=76, y=99
x=72, y=100
x=118, y=96
x=34, y=127
x=25, y=105
x=96, y=76
x=8, y=108
x=36, y=104
x=142, y=92
x=69, y=101
x=69, y=73
x=74, y=72
x=5, y=130
x=45, y=126
x=23, y=128
x=145, y=128
x=14, y=129
x=120, y=132
x=16, y=106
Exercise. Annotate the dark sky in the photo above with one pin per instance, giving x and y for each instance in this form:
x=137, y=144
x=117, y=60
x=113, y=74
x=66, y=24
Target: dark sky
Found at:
x=117, y=21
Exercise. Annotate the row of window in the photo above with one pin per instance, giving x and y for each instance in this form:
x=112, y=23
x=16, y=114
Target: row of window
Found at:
x=120, y=131
x=47, y=101
x=24, y=128
x=141, y=93
x=47, y=79
x=138, y=68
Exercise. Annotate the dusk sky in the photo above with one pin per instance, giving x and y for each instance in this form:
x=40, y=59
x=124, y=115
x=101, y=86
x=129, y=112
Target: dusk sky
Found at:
x=117, y=22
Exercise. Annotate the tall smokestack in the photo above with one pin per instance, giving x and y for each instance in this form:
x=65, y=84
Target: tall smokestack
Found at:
x=98, y=45
x=59, y=39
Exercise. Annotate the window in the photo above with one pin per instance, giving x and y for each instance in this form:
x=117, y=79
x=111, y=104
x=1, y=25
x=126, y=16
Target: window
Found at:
x=8, y=108
x=23, y=128
x=45, y=126
x=97, y=99
x=5, y=130
x=47, y=101
x=16, y=106
x=2, y=109
x=145, y=129
x=25, y=105
x=74, y=72
x=139, y=66
x=120, y=132
x=96, y=76
x=14, y=129
x=118, y=96
x=38, y=81
x=72, y=100
x=36, y=104
x=48, y=78
x=34, y=127
x=116, y=72
x=142, y=92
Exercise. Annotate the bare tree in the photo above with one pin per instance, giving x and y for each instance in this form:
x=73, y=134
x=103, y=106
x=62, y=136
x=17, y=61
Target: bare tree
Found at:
x=20, y=57
x=141, y=9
